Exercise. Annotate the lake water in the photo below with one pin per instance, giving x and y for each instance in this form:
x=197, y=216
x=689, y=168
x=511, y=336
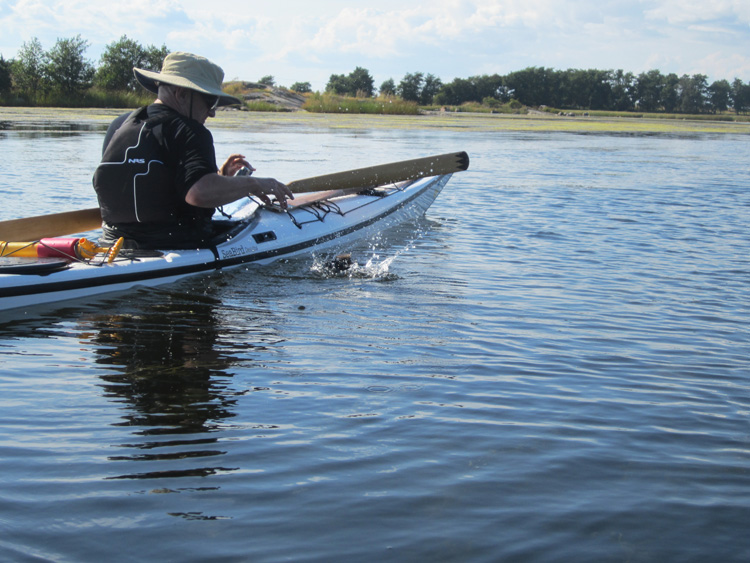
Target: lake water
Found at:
x=551, y=366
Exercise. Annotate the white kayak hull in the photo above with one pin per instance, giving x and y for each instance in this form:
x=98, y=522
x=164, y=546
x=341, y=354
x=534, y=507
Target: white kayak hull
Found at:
x=263, y=237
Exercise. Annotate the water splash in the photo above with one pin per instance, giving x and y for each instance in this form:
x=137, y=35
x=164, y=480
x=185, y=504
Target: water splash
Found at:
x=366, y=261
x=375, y=268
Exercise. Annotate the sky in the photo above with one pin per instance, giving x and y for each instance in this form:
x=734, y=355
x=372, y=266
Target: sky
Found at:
x=308, y=40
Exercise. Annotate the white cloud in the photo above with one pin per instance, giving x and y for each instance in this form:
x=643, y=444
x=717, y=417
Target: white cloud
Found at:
x=683, y=12
x=719, y=65
x=302, y=40
x=365, y=31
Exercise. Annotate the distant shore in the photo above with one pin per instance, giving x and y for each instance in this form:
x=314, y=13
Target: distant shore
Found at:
x=72, y=120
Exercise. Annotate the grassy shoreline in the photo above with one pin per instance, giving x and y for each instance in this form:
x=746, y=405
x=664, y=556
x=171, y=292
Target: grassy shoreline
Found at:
x=78, y=119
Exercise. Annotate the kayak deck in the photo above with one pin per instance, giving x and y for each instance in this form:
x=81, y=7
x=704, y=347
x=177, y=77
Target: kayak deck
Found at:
x=255, y=234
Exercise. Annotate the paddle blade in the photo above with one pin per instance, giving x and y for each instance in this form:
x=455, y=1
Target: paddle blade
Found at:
x=54, y=225
x=383, y=174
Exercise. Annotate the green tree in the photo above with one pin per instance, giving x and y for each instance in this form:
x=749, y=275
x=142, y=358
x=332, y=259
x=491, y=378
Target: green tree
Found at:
x=719, y=93
x=599, y=91
x=356, y=83
x=268, y=80
x=740, y=96
x=153, y=57
x=489, y=86
x=361, y=83
x=69, y=72
x=430, y=88
x=29, y=69
x=410, y=86
x=5, y=76
x=457, y=92
x=301, y=87
x=576, y=88
x=388, y=88
x=623, y=88
x=338, y=84
x=570, y=89
x=648, y=90
x=693, y=91
x=532, y=86
x=116, y=64
x=670, y=95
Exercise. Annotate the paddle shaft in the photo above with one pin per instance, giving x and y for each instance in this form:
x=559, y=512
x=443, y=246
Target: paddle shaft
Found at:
x=48, y=226
x=383, y=174
x=82, y=220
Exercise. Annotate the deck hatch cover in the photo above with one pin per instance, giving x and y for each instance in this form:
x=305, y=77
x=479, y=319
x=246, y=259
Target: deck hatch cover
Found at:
x=268, y=236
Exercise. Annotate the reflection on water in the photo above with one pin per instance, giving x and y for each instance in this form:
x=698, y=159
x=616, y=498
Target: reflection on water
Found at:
x=163, y=364
x=39, y=129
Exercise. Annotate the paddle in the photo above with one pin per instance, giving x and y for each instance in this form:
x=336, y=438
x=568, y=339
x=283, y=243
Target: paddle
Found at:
x=82, y=220
x=384, y=173
x=48, y=226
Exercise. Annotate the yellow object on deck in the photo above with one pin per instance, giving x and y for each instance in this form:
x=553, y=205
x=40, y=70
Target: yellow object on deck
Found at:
x=70, y=248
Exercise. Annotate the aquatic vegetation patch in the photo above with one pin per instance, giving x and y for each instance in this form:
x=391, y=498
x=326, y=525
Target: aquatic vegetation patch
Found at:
x=330, y=103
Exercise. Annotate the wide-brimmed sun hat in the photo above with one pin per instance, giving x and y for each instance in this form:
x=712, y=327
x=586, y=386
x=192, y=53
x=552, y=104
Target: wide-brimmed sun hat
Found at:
x=189, y=71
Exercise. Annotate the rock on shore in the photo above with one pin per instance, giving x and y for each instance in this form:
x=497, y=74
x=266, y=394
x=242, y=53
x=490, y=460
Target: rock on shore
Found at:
x=255, y=92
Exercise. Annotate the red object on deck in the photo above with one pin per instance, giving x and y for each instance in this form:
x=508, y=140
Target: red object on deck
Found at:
x=57, y=247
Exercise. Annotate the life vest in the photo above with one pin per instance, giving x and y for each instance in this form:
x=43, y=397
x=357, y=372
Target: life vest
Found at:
x=133, y=182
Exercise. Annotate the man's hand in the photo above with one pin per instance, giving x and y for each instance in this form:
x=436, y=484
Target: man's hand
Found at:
x=233, y=163
x=213, y=190
x=264, y=187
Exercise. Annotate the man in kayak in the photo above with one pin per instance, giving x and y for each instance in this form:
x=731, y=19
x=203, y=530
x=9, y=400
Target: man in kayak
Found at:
x=158, y=184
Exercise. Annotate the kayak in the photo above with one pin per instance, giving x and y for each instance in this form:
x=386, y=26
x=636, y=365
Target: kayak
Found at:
x=254, y=234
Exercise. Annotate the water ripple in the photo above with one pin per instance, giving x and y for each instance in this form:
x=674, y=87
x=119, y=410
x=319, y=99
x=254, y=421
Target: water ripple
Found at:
x=551, y=366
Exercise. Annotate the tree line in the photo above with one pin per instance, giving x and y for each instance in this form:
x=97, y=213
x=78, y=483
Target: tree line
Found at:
x=62, y=73
x=608, y=90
